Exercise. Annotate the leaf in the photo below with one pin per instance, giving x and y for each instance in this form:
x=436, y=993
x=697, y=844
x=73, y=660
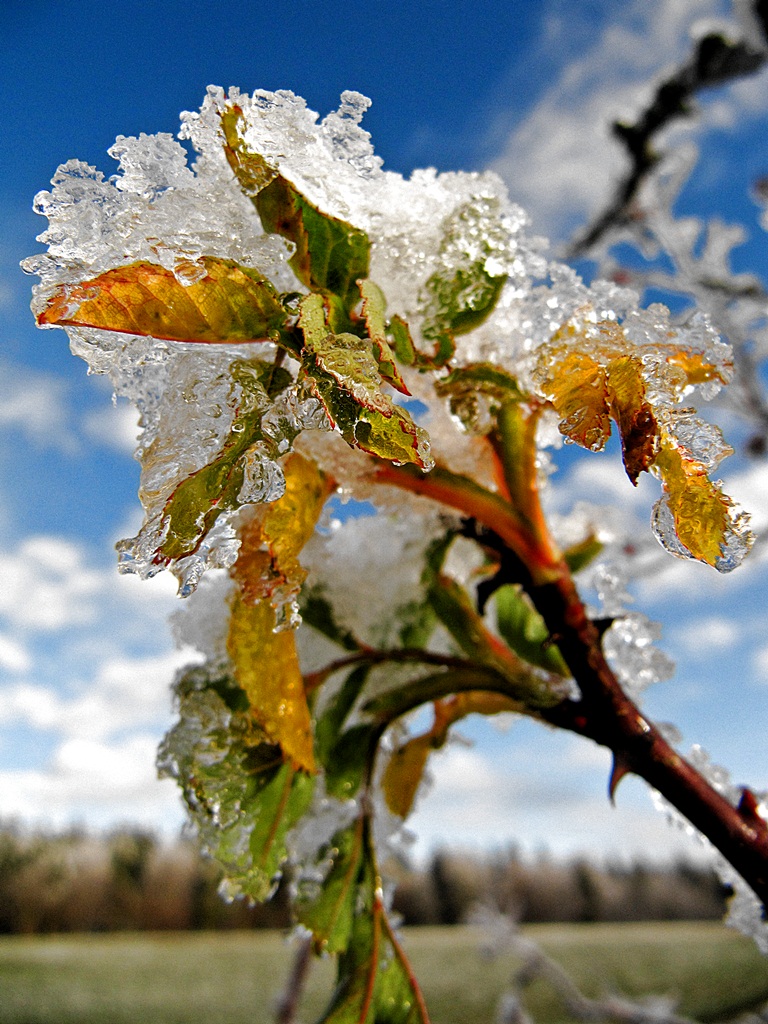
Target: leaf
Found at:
x=241, y=794
x=456, y=611
x=329, y=914
x=374, y=307
x=342, y=373
x=345, y=755
x=701, y=512
x=317, y=612
x=633, y=414
x=267, y=564
x=404, y=771
x=525, y=631
x=267, y=669
x=198, y=500
x=375, y=984
x=577, y=386
x=463, y=293
x=587, y=393
x=229, y=304
x=580, y=555
x=405, y=350
x=476, y=392
x=330, y=255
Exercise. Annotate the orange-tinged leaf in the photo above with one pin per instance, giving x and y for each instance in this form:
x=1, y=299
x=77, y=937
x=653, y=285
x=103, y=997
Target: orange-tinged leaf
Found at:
x=271, y=541
x=405, y=768
x=633, y=414
x=229, y=304
x=700, y=510
x=404, y=772
x=577, y=386
x=267, y=670
x=698, y=369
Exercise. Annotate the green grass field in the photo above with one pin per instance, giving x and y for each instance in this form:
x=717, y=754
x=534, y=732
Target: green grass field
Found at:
x=234, y=978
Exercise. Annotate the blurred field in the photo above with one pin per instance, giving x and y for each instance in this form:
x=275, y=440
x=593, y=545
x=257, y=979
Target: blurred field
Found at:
x=234, y=977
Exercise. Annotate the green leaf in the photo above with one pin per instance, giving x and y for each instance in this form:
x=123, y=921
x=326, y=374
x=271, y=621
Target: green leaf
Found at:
x=329, y=913
x=463, y=293
x=241, y=794
x=374, y=307
x=350, y=758
x=405, y=351
x=223, y=303
x=476, y=393
x=342, y=373
x=374, y=984
x=330, y=723
x=525, y=631
x=580, y=555
x=197, y=502
x=317, y=612
x=330, y=255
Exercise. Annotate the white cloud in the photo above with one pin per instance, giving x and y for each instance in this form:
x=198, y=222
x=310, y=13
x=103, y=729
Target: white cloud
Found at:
x=13, y=656
x=114, y=427
x=704, y=635
x=36, y=404
x=97, y=784
x=47, y=585
x=547, y=794
x=561, y=161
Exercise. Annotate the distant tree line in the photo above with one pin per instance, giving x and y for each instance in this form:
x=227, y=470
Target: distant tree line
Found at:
x=130, y=881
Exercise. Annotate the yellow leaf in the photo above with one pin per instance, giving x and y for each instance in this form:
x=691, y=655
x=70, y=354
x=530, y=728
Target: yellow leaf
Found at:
x=403, y=773
x=222, y=303
x=405, y=768
x=700, y=509
x=272, y=540
x=267, y=669
x=698, y=369
x=577, y=386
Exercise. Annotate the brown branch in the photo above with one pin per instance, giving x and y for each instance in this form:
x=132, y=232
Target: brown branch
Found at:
x=606, y=715
x=288, y=1005
x=716, y=59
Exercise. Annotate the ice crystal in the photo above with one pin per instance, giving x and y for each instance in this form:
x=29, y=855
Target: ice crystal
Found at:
x=629, y=647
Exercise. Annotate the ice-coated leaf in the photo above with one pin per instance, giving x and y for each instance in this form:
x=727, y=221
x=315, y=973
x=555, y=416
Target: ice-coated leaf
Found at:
x=329, y=913
x=228, y=304
x=267, y=565
x=343, y=374
x=577, y=386
x=196, y=502
x=330, y=255
x=242, y=796
x=463, y=293
x=267, y=669
x=524, y=630
x=588, y=392
x=633, y=414
x=374, y=309
x=700, y=510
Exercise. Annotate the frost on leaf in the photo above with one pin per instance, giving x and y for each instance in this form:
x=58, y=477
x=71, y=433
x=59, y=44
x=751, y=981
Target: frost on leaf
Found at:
x=462, y=294
x=267, y=566
x=219, y=302
x=330, y=255
x=242, y=797
x=231, y=479
x=342, y=372
x=594, y=372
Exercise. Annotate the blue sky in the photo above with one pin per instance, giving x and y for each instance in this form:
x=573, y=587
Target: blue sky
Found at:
x=526, y=88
